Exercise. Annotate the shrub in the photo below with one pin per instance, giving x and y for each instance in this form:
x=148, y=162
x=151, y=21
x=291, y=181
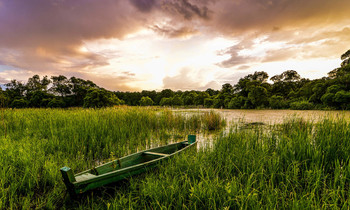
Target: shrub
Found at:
x=146, y=101
x=19, y=103
x=301, y=105
x=56, y=103
x=277, y=102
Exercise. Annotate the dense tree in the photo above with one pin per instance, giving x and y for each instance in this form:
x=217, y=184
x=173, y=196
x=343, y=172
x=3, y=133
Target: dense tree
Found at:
x=15, y=89
x=258, y=96
x=146, y=101
x=99, y=97
x=19, y=103
x=165, y=102
x=79, y=90
x=35, y=84
x=61, y=85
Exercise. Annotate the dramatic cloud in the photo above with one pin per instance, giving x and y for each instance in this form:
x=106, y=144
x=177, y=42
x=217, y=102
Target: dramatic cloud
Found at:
x=171, y=32
x=53, y=37
x=144, y=5
x=185, y=9
x=239, y=16
x=53, y=30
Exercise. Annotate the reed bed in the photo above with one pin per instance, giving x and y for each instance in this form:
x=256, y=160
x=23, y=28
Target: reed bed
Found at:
x=298, y=164
x=36, y=143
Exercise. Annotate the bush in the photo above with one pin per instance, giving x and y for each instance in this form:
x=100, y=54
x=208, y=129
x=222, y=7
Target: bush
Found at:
x=19, y=103
x=237, y=102
x=165, y=102
x=208, y=102
x=277, y=102
x=146, y=101
x=56, y=103
x=301, y=105
x=97, y=98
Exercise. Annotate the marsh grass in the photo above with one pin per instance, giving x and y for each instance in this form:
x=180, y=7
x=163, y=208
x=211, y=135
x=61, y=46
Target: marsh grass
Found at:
x=36, y=143
x=298, y=164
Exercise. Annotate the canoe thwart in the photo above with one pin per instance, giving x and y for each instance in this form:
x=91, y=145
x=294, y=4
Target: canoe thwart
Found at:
x=155, y=153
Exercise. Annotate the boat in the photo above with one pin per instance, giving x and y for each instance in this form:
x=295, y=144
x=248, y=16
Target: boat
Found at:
x=122, y=168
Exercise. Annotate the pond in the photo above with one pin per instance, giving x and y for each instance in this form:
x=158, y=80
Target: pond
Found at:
x=272, y=116
x=245, y=118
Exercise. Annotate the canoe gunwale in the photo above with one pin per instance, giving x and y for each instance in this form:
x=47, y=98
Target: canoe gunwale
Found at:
x=134, y=164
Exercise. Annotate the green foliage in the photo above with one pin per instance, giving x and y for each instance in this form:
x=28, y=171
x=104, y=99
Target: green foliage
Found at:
x=176, y=101
x=146, y=101
x=301, y=105
x=208, y=102
x=61, y=85
x=328, y=99
x=56, y=103
x=97, y=98
x=333, y=89
x=237, y=102
x=218, y=103
x=278, y=102
x=19, y=103
x=343, y=98
x=35, y=143
x=165, y=102
x=296, y=164
x=258, y=96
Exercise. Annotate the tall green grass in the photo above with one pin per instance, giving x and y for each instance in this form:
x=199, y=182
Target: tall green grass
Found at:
x=35, y=143
x=296, y=165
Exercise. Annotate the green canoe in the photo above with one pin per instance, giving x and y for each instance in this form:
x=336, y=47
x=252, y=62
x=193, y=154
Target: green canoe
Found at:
x=122, y=168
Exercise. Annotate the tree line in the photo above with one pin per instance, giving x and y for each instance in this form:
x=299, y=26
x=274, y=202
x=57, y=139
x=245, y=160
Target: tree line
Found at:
x=285, y=91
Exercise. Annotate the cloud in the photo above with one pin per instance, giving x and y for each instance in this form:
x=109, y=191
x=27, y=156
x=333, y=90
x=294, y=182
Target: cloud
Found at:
x=168, y=31
x=235, y=57
x=187, y=79
x=234, y=17
x=186, y=9
x=48, y=31
x=144, y=5
x=49, y=36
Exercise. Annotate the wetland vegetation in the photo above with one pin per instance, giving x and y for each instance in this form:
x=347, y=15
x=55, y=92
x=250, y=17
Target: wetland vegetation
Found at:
x=295, y=164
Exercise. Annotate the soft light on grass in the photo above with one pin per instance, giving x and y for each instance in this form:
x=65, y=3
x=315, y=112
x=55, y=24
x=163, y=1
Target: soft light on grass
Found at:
x=298, y=164
x=38, y=142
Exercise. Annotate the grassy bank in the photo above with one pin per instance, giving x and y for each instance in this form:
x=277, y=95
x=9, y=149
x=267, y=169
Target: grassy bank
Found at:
x=297, y=164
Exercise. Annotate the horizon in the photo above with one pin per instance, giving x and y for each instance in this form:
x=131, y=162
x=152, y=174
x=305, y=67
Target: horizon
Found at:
x=183, y=45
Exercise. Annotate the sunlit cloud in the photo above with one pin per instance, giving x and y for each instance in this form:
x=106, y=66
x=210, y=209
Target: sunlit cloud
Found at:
x=155, y=44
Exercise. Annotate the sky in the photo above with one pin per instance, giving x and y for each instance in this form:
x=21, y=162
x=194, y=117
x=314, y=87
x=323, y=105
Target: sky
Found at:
x=134, y=45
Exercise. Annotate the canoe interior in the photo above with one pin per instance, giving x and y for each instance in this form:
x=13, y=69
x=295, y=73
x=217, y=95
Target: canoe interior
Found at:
x=134, y=159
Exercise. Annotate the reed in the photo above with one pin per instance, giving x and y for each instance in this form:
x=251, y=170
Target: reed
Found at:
x=298, y=164
x=35, y=143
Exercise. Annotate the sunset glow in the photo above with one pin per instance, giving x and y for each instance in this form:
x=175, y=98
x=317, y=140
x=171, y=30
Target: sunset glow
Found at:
x=153, y=45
